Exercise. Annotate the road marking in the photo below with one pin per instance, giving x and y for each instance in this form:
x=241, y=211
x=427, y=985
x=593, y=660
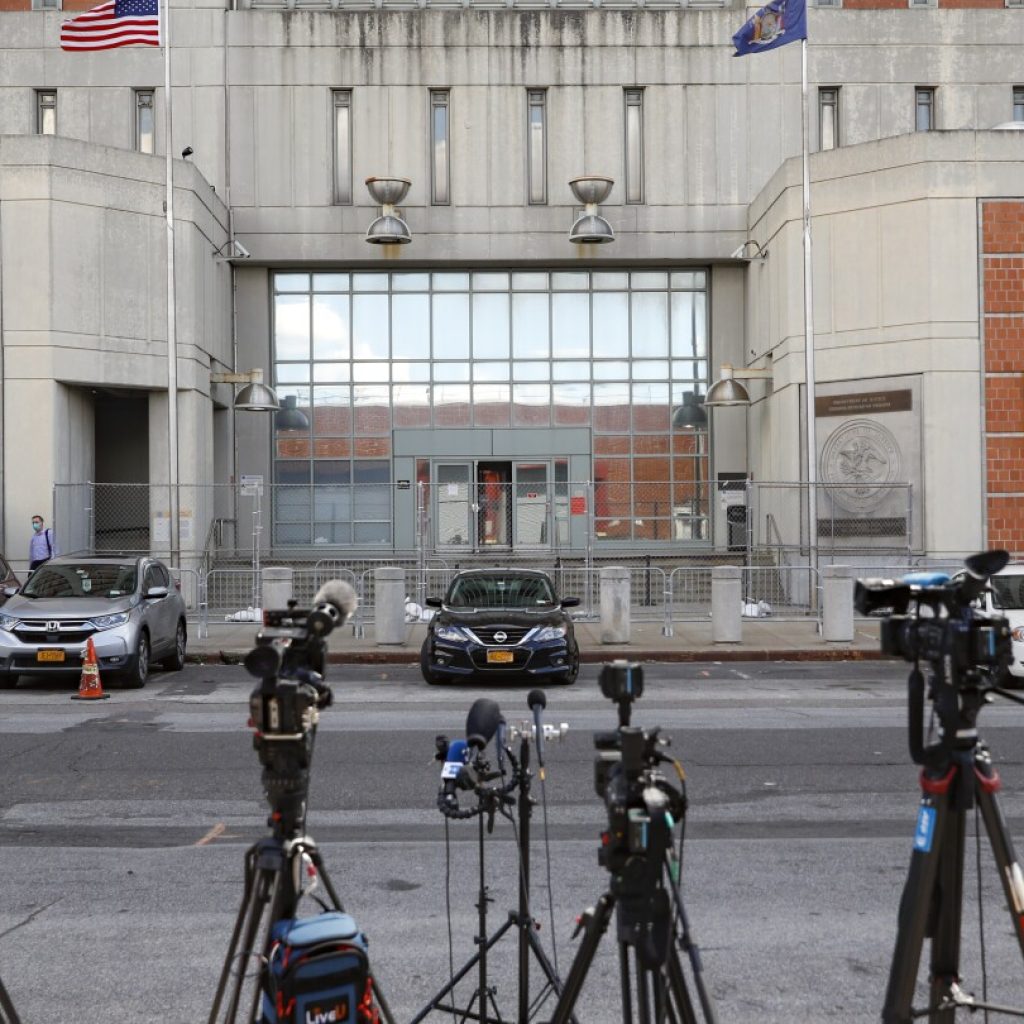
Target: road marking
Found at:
x=217, y=830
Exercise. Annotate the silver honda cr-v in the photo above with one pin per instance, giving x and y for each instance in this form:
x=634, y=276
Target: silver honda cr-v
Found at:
x=129, y=606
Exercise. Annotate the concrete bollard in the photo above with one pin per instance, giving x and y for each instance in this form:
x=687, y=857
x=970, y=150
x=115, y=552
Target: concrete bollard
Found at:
x=726, y=605
x=615, y=605
x=277, y=586
x=389, y=605
x=837, y=604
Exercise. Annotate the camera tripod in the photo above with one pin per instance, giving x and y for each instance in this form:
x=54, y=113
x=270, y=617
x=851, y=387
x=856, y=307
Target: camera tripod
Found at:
x=956, y=776
x=492, y=801
x=8, y=1014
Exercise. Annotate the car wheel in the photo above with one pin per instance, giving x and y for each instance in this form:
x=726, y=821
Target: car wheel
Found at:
x=135, y=677
x=428, y=673
x=176, y=662
x=574, y=669
x=8, y=680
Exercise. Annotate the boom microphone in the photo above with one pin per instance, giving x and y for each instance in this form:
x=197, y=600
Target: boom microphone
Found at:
x=537, y=701
x=333, y=605
x=482, y=722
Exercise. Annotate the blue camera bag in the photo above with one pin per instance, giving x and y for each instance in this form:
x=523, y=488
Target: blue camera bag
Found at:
x=318, y=973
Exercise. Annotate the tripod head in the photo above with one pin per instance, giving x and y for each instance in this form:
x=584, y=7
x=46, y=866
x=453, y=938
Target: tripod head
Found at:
x=643, y=809
x=289, y=660
x=932, y=618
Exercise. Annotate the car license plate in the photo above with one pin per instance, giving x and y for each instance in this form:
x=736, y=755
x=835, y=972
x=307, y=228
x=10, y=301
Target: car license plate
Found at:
x=49, y=655
x=500, y=657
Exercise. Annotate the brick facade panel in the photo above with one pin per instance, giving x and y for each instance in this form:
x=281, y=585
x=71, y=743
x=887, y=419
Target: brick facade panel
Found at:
x=1004, y=284
x=1006, y=523
x=1004, y=344
x=1004, y=405
x=1003, y=227
x=1005, y=464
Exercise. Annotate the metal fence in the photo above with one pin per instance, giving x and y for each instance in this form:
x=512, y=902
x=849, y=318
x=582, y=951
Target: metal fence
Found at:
x=222, y=524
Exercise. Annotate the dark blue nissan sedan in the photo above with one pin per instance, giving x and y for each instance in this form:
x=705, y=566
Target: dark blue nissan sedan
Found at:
x=500, y=623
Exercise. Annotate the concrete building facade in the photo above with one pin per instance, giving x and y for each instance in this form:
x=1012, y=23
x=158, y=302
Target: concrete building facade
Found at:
x=493, y=383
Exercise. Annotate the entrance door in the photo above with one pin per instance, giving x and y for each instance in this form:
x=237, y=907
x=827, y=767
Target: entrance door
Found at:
x=453, y=515
x=533, y=510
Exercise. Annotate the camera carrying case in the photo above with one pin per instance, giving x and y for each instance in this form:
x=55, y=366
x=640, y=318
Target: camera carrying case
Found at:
x=318, y=972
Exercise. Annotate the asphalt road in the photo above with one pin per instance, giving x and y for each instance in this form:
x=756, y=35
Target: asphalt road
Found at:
x=123, y=825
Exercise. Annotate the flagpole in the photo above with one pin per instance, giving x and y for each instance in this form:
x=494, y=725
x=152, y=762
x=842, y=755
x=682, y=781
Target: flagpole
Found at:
x=811, y=433
x=172, y=339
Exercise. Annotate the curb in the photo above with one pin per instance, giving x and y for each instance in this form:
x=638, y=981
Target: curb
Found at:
x=400, y=657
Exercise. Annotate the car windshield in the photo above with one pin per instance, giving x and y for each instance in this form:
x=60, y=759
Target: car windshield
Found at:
x=1008, y=592
x=82, y=579
x=500, y=592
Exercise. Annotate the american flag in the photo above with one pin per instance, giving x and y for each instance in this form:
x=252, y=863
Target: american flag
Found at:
x=117, y=23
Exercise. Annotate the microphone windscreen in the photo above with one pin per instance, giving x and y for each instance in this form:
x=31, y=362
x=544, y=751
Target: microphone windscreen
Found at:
x=482, y=721
x=340, y=594
x=535, y=697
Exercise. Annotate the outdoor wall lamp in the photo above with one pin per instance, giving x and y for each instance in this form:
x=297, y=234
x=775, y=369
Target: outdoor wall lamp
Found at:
x=591, y=190
x=388, y=228
x=740, y=252
x=690, y=414
x=255, y=396
x=728, y=390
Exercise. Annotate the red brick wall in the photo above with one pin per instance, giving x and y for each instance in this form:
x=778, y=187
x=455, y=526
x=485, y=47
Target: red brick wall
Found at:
x=1002, y=234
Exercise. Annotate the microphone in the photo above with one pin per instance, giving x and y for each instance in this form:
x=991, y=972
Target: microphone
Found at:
x=482, y=722
x=333, y=605
x=537, y=701
x=454, y=761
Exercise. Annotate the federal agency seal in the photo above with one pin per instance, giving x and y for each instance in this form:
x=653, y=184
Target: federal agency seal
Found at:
x=863, y=458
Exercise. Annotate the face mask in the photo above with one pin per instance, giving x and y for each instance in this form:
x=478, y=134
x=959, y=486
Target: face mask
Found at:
x=37, y=527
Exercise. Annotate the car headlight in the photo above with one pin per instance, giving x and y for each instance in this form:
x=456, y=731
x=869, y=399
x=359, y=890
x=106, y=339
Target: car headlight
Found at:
x=449, y=633
x=1017, y=633
x=110, y=621
x=8, y=622
x=550, y=633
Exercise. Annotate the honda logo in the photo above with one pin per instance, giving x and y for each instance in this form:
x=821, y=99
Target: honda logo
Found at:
x=52, y=626
x=500, y=636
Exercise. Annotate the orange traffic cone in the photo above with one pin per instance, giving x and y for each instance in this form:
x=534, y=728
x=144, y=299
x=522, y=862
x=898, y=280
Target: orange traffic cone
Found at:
x=90, y=687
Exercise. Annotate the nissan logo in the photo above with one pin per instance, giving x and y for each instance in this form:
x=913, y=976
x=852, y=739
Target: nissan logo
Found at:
x=500, y=636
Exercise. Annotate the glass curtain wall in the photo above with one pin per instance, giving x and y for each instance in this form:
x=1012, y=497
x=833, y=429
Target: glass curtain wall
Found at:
x=367, y=353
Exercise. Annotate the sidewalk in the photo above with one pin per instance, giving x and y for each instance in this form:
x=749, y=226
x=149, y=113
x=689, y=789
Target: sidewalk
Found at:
x=763, y=640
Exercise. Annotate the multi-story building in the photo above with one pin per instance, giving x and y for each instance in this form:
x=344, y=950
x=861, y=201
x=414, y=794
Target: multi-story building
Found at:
x=494, y=382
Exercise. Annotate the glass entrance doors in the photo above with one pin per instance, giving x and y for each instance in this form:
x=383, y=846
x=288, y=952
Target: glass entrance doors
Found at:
x=482, y=505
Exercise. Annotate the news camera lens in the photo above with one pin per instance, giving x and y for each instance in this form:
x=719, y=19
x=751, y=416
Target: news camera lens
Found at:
x=264, y=661
x=622, y=680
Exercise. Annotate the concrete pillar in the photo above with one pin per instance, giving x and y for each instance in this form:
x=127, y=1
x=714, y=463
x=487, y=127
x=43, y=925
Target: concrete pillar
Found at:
x=615, y=605
x=837, y=603
x=389, y=605
x=277, y=586
x=726, y=605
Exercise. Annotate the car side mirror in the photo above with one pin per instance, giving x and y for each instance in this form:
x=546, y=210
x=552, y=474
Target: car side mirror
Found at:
x=433, y=602
x=10, y=591
x=570, y=602
x=155, y=593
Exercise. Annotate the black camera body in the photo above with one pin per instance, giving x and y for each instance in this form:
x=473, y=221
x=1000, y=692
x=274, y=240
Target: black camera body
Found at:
x=284, y=708
x=980, y=640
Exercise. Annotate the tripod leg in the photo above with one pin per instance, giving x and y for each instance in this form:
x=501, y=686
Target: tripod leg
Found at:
x=554, y=982
x=643, y=1003
x=8, y=1015
x=596, y=926
x=945, y=940
x=627, y=994
x=1002, y=846
x=918, y=895
x=680, y=1000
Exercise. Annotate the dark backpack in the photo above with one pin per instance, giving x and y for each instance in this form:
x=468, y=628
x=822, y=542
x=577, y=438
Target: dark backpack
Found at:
x=318, y=972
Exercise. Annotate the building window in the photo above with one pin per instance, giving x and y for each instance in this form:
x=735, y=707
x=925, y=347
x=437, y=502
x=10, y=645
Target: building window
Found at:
x=1018, y=103
x=439, y=155
x=46, y=112
x=537, y=145
x=828, y=118
x=342, y=146
x=145, y=130
x=634, y=145
x=924, y=104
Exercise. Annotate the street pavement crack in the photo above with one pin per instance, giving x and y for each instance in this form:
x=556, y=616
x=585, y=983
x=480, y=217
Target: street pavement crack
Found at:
x=31, y=917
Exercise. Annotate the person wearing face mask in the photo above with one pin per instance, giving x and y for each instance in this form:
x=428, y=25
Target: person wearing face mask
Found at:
x=42, y=547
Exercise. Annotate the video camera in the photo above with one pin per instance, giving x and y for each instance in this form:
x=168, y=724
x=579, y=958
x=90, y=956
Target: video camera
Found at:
x=289, y=660
x=643, y=808
x=931, y=617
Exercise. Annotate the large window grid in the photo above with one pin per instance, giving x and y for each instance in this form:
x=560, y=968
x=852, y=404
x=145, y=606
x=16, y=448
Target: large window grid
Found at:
x=366, y=353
